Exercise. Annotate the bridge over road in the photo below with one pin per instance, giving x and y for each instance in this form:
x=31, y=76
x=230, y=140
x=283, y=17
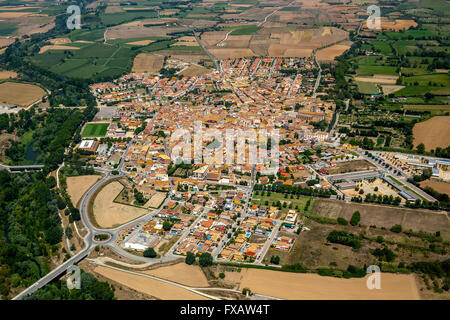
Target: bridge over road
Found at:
x=33, y=167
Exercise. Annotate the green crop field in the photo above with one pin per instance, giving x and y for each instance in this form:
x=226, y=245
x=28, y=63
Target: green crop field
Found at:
x=382, y=46
x=95, y=130
x=367, y=87
x=121, y=17
x=244, y=30
x=367, y=70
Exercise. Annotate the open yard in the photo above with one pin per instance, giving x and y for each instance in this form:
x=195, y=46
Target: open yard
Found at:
x=156, y=200
x=109, y=214
x=351, y=166
x=95, y=130
x=77, y=186
x=433, y=133
x=297, y=204
x=22, y=94
x=292, y=286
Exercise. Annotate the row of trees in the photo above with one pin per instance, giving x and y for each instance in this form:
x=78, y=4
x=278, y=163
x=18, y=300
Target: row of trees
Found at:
x=295, y=190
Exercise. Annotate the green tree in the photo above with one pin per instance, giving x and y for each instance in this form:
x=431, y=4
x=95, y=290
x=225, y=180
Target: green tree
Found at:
x=190, y=258
x=167, y=225
x=150, y=253
x=355, y=218
x=275, y=259
x=205, y=260
x=397, y=228
x=421, y=148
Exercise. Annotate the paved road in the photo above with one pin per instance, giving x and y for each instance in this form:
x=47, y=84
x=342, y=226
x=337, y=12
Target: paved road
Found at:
x=268, y=243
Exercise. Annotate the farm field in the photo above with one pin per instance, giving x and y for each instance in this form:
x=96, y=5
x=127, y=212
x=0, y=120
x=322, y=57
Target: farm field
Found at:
x=109, y=214
x=145, y=62
x=149, y=286
x=367, y=87
x=57, y=47
x=89, y=60
x=183, y=273
x=194, y=70
x=432, y=133
x=8, y=74
x=95, y=129
x=293, y=286
x=77, y=186
x=384, y=216
x=22, y=94
x=433, y=109
x=328, y=54
x=439, y=186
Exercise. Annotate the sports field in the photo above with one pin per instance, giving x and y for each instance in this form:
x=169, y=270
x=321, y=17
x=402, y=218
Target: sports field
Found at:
x=95, y=130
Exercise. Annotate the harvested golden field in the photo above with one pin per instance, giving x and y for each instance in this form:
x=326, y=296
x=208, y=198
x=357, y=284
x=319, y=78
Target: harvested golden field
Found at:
x=187, y=41
x=388, y=89
x=141, y=42
x=156, y=200
x=4, y=42
x=439, y=186
x=233, y=53
x=57, y=47
x=9, y=15
x=77, y=186
x=146, y=62
x=8, y=74
x=137, y=29
x=328, y=54
x=304, y=286
x=433, y=133
x=107, y=213
x=182, y=273
x=378, y=78
x=18, y=8
x=194, y=70
x=22, y=94
x=149, y=286
x=398, y=25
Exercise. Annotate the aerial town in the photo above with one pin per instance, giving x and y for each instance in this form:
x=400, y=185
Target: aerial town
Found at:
x=240, y=150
